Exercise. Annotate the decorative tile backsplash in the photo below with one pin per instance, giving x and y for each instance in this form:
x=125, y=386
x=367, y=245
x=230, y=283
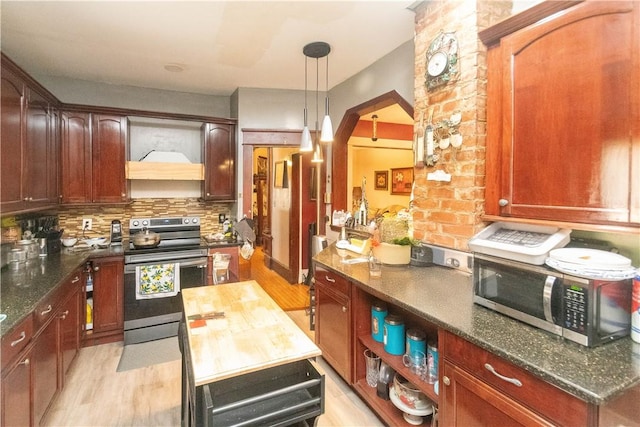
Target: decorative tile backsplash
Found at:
x=70, y=218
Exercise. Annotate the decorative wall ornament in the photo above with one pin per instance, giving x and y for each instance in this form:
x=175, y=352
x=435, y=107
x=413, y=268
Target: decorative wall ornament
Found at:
x=442, y=60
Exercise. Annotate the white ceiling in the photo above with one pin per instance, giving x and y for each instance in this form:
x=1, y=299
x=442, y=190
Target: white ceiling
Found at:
x=221, y=45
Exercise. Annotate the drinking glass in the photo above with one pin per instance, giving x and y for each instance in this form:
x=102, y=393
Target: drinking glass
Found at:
x=373, y=367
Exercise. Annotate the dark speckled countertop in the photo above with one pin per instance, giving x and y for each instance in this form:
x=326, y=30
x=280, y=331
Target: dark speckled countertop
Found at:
x=444, y=297
x=20, y=291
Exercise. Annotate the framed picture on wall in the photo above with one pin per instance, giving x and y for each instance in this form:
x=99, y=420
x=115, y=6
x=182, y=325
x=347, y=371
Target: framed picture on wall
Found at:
x=280, y=178
x=381, y=180
x=262, y=165
x=401, y=181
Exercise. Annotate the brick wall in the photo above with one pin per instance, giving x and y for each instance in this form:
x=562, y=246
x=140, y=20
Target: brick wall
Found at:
x=448, y=213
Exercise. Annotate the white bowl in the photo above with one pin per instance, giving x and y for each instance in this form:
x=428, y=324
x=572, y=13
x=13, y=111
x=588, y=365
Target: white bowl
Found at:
x=95, y=241
x=69, y=241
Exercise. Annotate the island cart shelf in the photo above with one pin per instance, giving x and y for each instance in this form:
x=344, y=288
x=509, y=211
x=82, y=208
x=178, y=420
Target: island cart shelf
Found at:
x=386, y=410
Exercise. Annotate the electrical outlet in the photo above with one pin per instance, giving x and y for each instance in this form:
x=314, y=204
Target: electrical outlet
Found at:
x=221, y=218
x=87, y=223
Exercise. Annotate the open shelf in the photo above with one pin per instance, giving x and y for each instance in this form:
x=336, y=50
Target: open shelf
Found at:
x=383, y=408
x=396, y=363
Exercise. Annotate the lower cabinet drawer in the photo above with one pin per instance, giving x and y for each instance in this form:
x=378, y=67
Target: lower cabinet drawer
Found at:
x=332, y=280
x=281, y=395
x=16, y=340
x=544, y=398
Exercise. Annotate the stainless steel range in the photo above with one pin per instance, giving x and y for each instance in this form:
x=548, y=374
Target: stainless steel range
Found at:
x=153, y=277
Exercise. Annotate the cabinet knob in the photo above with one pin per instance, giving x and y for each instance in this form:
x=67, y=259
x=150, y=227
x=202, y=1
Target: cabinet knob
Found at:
x=25, y=362
x=344, y=309
x=446, y=380
x=96, y=268
x=503, y=202
x=64, y=314
x=208, y=194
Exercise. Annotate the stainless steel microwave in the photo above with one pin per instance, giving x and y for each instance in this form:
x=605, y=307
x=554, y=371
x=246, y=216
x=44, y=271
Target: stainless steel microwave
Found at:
x=589, y=312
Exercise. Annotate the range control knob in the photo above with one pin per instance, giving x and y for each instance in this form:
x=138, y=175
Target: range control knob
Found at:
x=186, y=220
x=145, y=222
x=135, y=223
x=194, y=220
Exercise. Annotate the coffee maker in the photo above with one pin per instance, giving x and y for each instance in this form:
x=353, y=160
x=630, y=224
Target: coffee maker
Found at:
x=116, y=233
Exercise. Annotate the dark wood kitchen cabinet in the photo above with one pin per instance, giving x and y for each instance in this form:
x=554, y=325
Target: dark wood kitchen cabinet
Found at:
x=563, y=121
x=37, y=354
x=108, y=301
x=333, y=325
x=219, y=155
x=28, y=143
x=481, y=389
x=16, y=375
x=94, y=150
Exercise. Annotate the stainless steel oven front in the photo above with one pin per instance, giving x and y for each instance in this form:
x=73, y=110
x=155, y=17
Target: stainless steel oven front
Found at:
x=147, y=319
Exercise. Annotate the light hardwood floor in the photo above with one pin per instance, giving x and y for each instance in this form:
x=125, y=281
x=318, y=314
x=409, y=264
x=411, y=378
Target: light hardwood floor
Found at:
x=96, y=395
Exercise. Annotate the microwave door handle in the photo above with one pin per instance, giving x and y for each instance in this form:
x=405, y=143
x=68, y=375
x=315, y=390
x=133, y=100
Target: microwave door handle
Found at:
x=546, y=297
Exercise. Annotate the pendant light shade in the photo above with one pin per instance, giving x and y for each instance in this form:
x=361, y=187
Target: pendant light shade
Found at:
x=316, y=50
x=306, y=144
x=327, y=128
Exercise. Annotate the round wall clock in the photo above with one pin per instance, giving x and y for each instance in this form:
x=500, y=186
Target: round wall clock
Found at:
x=442, y=60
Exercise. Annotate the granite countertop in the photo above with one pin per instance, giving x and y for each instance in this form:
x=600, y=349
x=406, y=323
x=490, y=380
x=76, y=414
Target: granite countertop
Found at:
x=444, y=297
x=22, y=290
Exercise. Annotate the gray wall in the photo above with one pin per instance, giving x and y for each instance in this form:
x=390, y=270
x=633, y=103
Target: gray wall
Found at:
x=75, y=91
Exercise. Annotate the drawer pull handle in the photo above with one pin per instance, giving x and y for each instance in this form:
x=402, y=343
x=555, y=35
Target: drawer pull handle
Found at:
x=329, y=279
x=513, y=381
x=25, y=362
x=75, y=279
x=47, y=311
x=23, y=335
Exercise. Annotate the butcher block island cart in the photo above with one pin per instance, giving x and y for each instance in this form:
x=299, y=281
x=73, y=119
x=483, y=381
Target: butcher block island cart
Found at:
x=244, y=361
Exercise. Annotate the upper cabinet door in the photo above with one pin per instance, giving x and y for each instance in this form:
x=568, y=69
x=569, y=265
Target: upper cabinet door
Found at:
x=109, y=155
x=75, y=159
x=564, y=137
x=219, y=156
x=38, y=160
x=12, y=119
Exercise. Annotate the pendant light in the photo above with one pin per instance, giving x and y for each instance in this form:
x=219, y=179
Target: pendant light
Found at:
x=306, y=144
x=327, y=128
x=316, y=50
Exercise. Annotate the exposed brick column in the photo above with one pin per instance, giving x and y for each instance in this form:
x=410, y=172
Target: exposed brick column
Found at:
x=448, y=213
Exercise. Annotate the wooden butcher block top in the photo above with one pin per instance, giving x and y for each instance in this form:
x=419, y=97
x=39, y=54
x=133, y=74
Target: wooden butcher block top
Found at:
x=253, y=334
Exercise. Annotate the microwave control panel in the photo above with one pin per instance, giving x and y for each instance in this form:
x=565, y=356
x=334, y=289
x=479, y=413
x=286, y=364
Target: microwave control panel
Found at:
x=575, y=308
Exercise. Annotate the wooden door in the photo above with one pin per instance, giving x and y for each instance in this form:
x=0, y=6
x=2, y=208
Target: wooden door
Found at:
x=261, y=211
x=75, y=161
x=219, y=154
x=45, y=369
x=70, y=326
x=108, y=301
x=569, y=117
x=467, y=401
x=109, y=155
x=16, y=393
x=37, y=162
x=333, y=327
x=11, y=143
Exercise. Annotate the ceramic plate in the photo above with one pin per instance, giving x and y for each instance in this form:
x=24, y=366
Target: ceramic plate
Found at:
x=591, y=258
x=588, y=273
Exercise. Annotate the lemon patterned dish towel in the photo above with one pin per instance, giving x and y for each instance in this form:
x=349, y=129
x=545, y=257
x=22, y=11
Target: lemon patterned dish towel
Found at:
x=157, y=280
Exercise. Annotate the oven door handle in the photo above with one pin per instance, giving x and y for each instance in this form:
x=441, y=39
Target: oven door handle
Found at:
x=199, y=263
x=547, y=296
